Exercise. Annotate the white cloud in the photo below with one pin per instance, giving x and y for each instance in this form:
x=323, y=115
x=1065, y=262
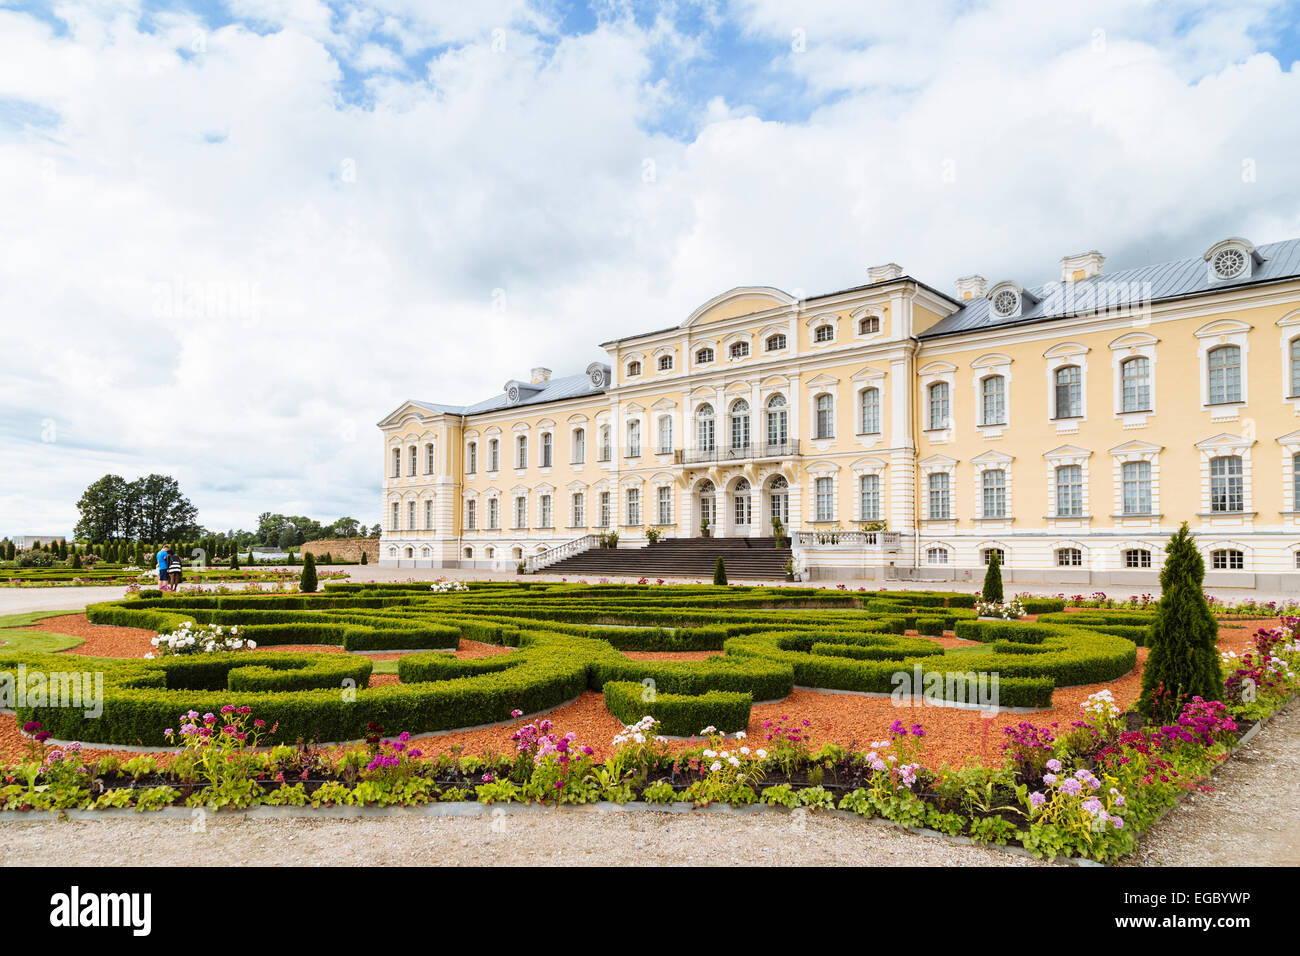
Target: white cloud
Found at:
x=216, y=265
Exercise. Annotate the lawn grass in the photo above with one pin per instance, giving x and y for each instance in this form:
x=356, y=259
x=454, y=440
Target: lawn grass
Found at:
x=14, y=638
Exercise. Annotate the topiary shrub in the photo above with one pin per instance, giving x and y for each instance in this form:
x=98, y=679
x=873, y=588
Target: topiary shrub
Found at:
x=720, y=571
x=363, y=558
x=307, y=582
x=1183, y=662
x=991, y=590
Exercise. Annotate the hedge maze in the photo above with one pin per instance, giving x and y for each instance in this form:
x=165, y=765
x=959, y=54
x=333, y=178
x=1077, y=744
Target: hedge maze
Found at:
x=567, y=638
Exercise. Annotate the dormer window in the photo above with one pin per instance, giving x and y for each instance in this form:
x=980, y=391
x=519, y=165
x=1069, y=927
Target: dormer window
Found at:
x=704, y=356
x=738, y=350
x=633, y=369
x=1006, y=303
x=868, y=325
x=1230, y=259
x=775, y=343
x=665, y=363
x=824, y=333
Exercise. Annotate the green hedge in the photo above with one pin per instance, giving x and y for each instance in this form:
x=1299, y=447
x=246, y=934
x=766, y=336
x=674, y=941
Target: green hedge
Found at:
x=679, y=715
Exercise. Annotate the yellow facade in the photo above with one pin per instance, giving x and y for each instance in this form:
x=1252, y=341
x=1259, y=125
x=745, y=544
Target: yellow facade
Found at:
x=899, y=432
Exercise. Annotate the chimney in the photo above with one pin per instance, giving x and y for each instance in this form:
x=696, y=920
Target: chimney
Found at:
x=541, y=375
x=890, y=270
x=1082, y=265
x=972, y=287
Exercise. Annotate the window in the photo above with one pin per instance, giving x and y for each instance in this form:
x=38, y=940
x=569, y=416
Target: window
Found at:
x=577, y=510
x=521, y=512
x=1135, y=384
x=993, y=400
x=1068, y=402
x=779, y=499
x=665, y=363
x=1006, y=303
x=937, y=495
x=397, y=462
x=938, y=403
x=605, y=452
x=825, y=406
x=825, y=491
x=665, y=443
x=1295, y=368
x=545, y=516
x=738, y=350
x=396, y=523
x=633, y=369
x=633, y=439
x=740, y=424
x=988, y=553
x=1224, y=369
x=494, y=514
x=740, y=504
x=410, y=464
x=869, y=411
x=471, y=516
x=777, y=422
x=605, y=515
x=869, y=498
x=1295, y=483
x=1136, y=479
x=665, y=499
x=634, y=506
x=1226, y=484
x=1069, y=558
x=428, y=516
x=868, y=324
x=1137, y=558
x=471, y=458
x=703, y=356
x=521, y=451
x=410, y=516
x=579, y=449
x=824, y=333
x=547, y=442
x=1069, y=491
x=936, y=556
x=1227, y=559
x=774, y=343
x=994, y=486
x=704, y=435
x=428, y=458
x=494, y=455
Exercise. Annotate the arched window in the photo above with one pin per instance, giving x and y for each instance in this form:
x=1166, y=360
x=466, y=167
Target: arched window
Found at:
x=490, y=553
x=521, y=451
x=738, y=350
x=825, y=423
x=1224, y=370
x=579, y=446
x=740, y=504
x=936, y=555
x=469, y=554
x=633, y=369
x=665, y=436
x=869, y=411
x=1227, y=559
x=824, y=333
x=869, y=498
x=665, y=363
x=428, y=458
x=1069, y=558
x=775, y=342
x=704, y=433
x=937, y=400
x=634, y=439
x=1137, y=558
x=703, y=356
x=740, y=424
x=778, y=424
x=1068, y=402
x=993, y=400
x=868, y=324
x=1135, y=384
x=1227, y=484
x=988, y=553
x=547, y=443
x=993, y=482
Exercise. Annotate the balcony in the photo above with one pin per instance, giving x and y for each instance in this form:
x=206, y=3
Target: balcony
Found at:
x=726, y=453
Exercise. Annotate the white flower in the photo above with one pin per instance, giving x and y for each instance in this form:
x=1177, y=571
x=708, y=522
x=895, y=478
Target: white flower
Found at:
x=715, y=766
x=741, y=735
x=761, y=754
x=745, y=751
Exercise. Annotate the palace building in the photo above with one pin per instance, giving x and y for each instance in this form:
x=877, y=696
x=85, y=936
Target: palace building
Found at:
x=900, y=432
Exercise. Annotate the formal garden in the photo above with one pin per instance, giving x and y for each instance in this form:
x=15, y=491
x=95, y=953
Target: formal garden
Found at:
x=1063, y=725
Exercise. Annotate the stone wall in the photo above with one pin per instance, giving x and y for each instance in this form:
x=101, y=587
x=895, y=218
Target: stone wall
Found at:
x=345, y=550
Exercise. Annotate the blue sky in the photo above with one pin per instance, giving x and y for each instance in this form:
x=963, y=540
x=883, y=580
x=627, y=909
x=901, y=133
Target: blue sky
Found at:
x=238, y=234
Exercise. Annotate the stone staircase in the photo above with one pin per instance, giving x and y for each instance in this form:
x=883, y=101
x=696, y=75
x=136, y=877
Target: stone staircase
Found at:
x=745, y=558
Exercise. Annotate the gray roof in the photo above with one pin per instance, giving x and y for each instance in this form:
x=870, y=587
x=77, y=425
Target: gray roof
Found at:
x=1118, y=290
x=553, y=390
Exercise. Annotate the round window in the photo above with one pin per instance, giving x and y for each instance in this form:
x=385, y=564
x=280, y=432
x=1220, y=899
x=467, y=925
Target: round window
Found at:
x=1006, y=302
x=1229, y=263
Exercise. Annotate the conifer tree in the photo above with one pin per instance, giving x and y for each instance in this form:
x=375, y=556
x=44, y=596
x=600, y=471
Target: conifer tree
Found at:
x=991, y=590
x=720, y=571
x=307, y=583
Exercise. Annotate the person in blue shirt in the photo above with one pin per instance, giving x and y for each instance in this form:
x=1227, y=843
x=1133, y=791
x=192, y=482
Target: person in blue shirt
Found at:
x=162, y=565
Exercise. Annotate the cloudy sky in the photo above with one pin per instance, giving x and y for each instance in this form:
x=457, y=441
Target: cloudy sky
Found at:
x=234, y=235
